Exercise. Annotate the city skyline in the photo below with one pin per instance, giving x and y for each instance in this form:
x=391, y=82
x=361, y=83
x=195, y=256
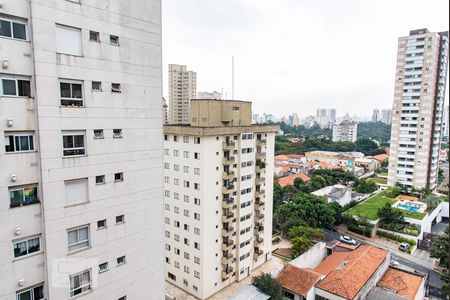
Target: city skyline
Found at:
x=347, y=80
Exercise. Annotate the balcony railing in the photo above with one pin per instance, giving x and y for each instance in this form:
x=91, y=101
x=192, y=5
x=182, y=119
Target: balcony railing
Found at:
x=228, y=145
x=226, y=231
x=227, y=202
x=227, y=174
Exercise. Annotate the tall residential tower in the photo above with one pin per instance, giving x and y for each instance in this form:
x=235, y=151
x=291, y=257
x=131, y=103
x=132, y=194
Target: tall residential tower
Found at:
x=80, y=150
x=420, y=79
x=218, y=196
x=182, y=89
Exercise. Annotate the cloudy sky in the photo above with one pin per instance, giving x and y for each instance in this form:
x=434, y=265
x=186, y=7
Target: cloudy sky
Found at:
x=296, y=55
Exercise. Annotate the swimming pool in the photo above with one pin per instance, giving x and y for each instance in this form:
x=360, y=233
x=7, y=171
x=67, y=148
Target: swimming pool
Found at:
x=407, y=207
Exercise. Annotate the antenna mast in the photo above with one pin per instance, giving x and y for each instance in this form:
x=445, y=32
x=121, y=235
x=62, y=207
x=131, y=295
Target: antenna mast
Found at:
x=232, y=77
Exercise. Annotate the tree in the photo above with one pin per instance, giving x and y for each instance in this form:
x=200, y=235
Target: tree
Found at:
x=317, y=182
x=338, y=210
x=390, y=215
x=306, y=232
x=366, y=187
x=299, y=245
x=365, y=145
x=440, y=250
x=374, y=130
x=277, y=195
x=269, y=286
x=298, y=182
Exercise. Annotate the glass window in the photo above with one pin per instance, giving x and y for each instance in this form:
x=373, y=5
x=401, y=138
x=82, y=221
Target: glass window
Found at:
x=15, y=142
x=78, y=238
x=35, y=293
x=71, y=93
x=13, y=29
x=113, y=39
x=5, y=28
x=23, y=196
x=96, y=86
x=19, y=31
x=73, y=144
x=94, y=36
x=103, y=267
x=28, y=246
x=80, y=283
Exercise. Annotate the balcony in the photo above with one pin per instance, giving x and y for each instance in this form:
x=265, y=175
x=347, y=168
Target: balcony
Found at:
x=226, y=217
x=259, y=203
x=259, y=193
x=227, y=272
x=258, y=253
x=260, y=165
x=260, y=142
x=260, y=155
x=227, y=202
x=226, y=231
x=228, y=145
x=227, y=258
x=227, y=244
x=227, y=160
x=258, y=229
x=226, y=189
x=260, y=180
x=228, y=175
x=258, y=241
x=259, y=217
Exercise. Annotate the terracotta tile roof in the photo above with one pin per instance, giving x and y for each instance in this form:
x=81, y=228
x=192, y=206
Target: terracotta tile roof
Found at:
x=403, y=283
x=348, y=279
x=281, y=157
x=381, y=157
x=289, y=180
x=295, y=155
x=331, y=262
x=297, y=280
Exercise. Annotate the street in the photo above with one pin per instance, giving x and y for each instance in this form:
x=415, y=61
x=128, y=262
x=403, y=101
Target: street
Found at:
x=434, y=277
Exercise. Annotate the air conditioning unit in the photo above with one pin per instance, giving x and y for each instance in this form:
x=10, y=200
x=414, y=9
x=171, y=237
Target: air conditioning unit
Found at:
x=18, y=231
x=9, y=122
x=13, y=177
x=21, y=282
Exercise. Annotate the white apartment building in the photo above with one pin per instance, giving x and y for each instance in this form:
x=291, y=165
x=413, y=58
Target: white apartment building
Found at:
x=209, y=95
x=182, y=88
x=422, y=60
x=386, y=116
x=80, y=150
x=346, y=131
x=218, y=196
x=445, y=124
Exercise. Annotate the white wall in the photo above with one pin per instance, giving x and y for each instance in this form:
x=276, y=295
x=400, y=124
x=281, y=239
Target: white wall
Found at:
x=311, y=258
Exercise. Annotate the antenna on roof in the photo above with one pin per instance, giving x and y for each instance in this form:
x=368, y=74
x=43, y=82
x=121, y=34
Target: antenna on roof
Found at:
x=232, y=77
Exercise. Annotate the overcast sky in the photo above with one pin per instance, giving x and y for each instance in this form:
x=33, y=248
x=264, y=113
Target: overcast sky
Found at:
x=296, y=55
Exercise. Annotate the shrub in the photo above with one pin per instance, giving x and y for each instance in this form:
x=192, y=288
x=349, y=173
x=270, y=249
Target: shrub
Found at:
x=397, y=238
x=266, y=284
x=366, y=231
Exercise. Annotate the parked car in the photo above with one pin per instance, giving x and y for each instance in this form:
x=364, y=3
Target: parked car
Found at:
x=404, y=247
x=394, y=263
x=347, y=240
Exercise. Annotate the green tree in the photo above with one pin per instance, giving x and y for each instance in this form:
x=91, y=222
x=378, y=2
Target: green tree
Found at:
x=299, y=245
x=390, y=215
x=365, y=145
x=268, y=285
x=374, y=130
x=366, y=187
x=298, y=182
x=306, y=232
x=277, y=195
x=338, y=210
x=440, y=250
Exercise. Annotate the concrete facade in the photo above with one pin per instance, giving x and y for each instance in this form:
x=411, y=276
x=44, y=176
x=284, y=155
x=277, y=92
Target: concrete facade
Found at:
x=422, y=60
x=345, y=132
x=218, y=197
x=81, y=209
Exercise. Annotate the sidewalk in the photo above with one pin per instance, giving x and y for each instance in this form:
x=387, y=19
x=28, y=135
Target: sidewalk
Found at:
x=273, y=266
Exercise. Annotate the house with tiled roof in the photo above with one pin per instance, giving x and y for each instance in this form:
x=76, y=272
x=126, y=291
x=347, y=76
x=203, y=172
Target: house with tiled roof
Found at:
x=289, y=180
x=339, y=193
x=298, y=283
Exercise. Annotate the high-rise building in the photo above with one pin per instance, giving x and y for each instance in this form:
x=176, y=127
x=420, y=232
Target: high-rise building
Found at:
x=386, y=116
x=326, y=117
x=422, y=60
x=165, y=111
x=376, y=115
x=346, y=131
x=218, y=196
x=445, y=124
x=331, y=112
x=209, y=95
x=321, y=112
x=182, y=89
x=81, y=184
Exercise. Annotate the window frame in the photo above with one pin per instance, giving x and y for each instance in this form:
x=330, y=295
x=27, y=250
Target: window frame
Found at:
x=100, y=270
x=116, y=37
x=101, y=137
x=32, y=292
x=73, y=134
x=16, y=79
x=82, y=286
x=99, y=83
x=119, y=135
x=97, y=36
x=27, y=240
x=71, y=82
x=15, y=135
x=88, y=240
x=21, y=188
x=124, y=261
x=11, y=22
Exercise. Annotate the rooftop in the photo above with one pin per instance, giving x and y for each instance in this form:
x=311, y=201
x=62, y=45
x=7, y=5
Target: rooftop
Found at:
x=403, y=283
x=353, y=271
x=336, y=191
x=249, y=292
x=289, y=180
x=298, y=280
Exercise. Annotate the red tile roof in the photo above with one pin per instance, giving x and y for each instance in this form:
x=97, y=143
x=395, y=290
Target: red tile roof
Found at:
x=281, y=157
x=381, y=157
x=298, y=281
x=403, y=283
x=354, y=272
x=295, y=155
x=331, y=262
x=289, y=180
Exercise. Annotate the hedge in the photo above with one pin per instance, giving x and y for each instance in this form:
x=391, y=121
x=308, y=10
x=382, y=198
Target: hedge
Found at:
x=363, y=231
x=397, y=238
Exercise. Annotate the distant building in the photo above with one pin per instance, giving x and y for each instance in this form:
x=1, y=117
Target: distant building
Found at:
x=376, y=115
x=165, y=111
x=420, y=79
x=209, y=95
x=386, y=116
x=339, y=193
x=182, y=89
x=345, y=132
x=326, y=117
x=445, y=124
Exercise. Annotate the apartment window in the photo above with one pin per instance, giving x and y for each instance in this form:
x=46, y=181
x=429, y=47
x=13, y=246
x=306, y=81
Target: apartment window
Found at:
x=101, y=224
x=68, y=40
x=20, y=196
x=94, y=36
x=167, y=234
x=167, y=247
x=114, y=40
x=116, y=88
x=196, y=201
x=121, y=260
x=177, y=264
x=118, y=177
x=186, y=169
x=100, y=179
x=196, y=186
x=176, y=167
x=96, y=86
x=195, y=288
x=197, y=216
x=117, y=133
x=175, y=138
x=80, y=283
x=185, y=282
x=171, y=276
x=19, y=142
x=196, y=140
x=186, y=198
x=16, y=87
x=13, y=29
x=176, y=209
x=186, y=227
x=196, y=260
x=197, y=171
x=186, y=269
x=71, y=92
x=186, y=213
x=186, y=184
x=196, y=155
x=176, y=181
x=103, y=267
x=166, y=151
x=186, y=154
x=166, y=166
x=34, y=293
x=196, y=245
x=27, y=246
x=175, y=153
x=197, y=274
x=73, y=144
x=166, y=137
x=196, y=231
x=78, y=238
x=98, y=134
x=176, y=237
x=176, y=224
x=167, y=207
x=120, y=219
x=166, y=193
x=177, y=251
x=176, y=196
x=76, y=191
x=185, y=139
